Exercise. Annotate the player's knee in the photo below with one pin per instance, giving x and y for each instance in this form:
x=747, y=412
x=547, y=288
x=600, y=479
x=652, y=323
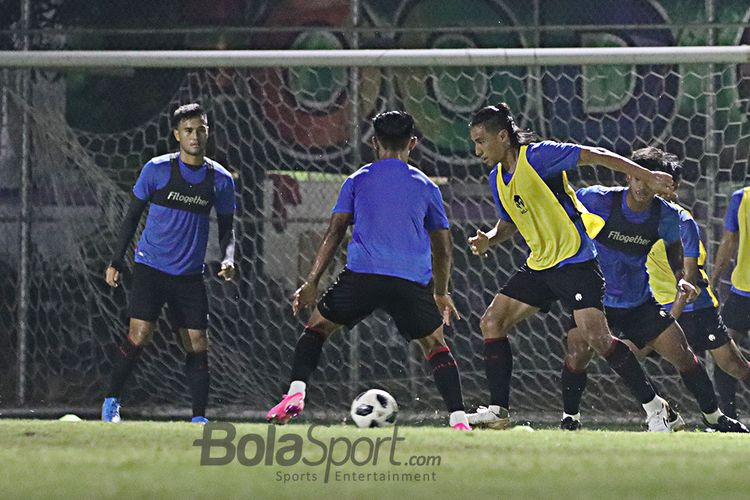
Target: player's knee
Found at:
x=493, y=326
x=197, y=341
x=431, y=342
x=140, y=336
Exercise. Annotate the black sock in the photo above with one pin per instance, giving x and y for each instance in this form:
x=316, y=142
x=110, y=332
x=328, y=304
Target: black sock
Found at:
x=498, y=367
x=445, y=372
x=726, y=387
x=199, y=380
x=622, y=360
x=307, y=354
x=697, y=381
x=126, y=357
x=573, y=384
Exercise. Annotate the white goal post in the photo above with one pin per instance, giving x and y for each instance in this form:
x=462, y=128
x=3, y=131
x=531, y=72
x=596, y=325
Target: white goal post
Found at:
x=291, y=125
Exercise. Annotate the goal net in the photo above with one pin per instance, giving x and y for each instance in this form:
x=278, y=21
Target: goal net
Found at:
x=290, y=135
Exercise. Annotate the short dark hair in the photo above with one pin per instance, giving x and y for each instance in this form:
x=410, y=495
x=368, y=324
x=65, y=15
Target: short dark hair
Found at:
x=187, y=111
x=658, y=160
x=393, y=129
x=496, y=118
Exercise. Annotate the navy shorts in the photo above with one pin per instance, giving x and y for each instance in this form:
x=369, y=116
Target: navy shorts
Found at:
x=577, y=286
x=704, y=329
x=185, y=296
x=736, y=312
x=354, y=296
x=640, y=324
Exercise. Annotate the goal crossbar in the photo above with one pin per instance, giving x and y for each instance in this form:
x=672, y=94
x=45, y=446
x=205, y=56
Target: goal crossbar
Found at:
x=371, y=57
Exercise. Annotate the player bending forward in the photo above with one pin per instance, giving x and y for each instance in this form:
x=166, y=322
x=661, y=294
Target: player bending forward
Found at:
x=530, y=189
x=635, y=219
x=399, y=260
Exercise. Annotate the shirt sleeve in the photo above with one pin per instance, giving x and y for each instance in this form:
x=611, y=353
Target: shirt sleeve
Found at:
x=690, y=236
x=731, y=223
x=147, y=182
x=669, y=224
x=225, y=203
x=436, y=217
x=501, y=212
x=552, y=158
x=596, y=200
x=345, y=201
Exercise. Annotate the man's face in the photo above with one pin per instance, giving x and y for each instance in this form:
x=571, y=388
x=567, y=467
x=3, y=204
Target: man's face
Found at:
x=489, y=146
x=192, y=134
x=640, y=191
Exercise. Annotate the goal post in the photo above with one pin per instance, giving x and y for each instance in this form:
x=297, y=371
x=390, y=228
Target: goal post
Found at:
x=283, y=124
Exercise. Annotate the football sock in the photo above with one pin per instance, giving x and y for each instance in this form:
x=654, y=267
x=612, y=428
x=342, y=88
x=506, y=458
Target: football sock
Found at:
x=498, y=366
x=713, y=417
x=574, y=416
x=199, y=380
x=297, y=386
x=126, y=357
x=573, y=384
x=653, y=406
x=697, y=381
x=458, y=416
x=726, y=387
x=622, y=360
x=307, y=354
x=445, y=373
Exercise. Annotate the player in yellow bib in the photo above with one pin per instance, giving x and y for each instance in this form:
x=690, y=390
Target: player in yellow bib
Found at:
x=736, y=309
x=531, y=193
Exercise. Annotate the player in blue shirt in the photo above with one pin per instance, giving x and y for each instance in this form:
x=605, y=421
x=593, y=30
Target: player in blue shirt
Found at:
x=533, y=197
x=635, y=219
x=181, y=189
x=398, y=260
x=736, y=308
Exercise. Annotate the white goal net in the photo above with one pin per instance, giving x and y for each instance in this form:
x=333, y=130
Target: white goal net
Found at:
x=291, y=135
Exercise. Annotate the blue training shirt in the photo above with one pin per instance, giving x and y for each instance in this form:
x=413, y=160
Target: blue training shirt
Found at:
x=625, y=274
x=731, y=223
x=394, y=207
x=174, y=241
x=549, y=159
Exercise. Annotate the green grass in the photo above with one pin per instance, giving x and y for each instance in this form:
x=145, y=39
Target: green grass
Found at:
x=49, y=459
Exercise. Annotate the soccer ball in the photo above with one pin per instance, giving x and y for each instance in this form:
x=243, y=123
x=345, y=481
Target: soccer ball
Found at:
x=374, y=408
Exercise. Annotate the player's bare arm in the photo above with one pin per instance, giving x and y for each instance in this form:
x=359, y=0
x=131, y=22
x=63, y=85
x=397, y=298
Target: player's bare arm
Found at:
x=482, y=241
x=675, y=257
x=306, y=294
x=442, y=262
x=659, y=182
x=727, y=248
x=690, y=275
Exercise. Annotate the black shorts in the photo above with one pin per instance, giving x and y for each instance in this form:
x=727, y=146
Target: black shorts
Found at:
x=640, y=324
x=185, y=297
x=354, y=296
x=736, y=312
x=578, y=286
x=704, y=329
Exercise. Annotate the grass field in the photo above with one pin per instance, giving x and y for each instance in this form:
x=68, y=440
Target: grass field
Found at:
x=50, y=459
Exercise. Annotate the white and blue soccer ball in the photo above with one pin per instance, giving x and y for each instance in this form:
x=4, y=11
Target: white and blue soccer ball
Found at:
x=374, y=408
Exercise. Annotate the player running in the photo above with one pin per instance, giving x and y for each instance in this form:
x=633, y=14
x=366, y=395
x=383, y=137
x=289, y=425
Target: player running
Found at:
x=530, y=189
x=399, y=260
x=635, y=219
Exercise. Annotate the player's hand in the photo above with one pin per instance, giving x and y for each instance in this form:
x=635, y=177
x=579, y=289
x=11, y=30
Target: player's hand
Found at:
x=304, y=297
x=112, y=277
x=480, y=243
x=226, y=272
x=447, y=308
x=662, y=184
x=690, y=291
